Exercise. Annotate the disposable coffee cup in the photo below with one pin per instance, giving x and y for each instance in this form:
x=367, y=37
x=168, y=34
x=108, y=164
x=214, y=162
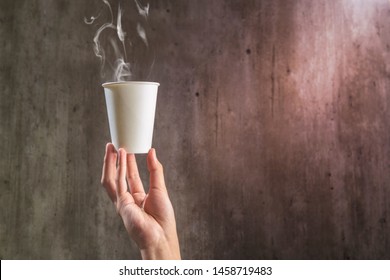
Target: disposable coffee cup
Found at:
x=131, y=108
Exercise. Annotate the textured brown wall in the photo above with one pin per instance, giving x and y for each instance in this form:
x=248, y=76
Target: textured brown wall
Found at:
x=273, y=125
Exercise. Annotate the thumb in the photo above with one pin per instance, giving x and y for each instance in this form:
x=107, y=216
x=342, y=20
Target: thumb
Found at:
x=156, y=172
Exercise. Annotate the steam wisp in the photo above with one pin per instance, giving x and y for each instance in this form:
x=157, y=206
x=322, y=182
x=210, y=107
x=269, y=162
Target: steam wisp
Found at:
x=121, y=68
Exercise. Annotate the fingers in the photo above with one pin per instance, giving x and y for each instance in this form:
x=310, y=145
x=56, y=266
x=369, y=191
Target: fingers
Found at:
x=114, y=180
x=109, y=171
x=135, y=183
x=121, y=174
x=156, y=172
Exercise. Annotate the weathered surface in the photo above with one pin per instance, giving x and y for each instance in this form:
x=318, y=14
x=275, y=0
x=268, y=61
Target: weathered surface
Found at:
x=273, y=125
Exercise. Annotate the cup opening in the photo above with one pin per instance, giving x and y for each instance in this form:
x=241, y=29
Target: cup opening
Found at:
x=111, y=84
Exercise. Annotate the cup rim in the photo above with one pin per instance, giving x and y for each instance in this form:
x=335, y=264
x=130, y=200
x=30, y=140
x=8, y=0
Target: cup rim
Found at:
x=127, y=83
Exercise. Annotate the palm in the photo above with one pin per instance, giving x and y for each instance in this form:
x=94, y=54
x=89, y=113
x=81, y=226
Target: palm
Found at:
x=145, y=225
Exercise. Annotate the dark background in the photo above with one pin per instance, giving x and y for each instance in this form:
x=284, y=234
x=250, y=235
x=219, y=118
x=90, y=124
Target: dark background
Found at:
x=272, y=123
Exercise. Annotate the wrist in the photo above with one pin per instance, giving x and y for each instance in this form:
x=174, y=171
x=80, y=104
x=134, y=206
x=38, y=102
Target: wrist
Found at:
x=165, y=250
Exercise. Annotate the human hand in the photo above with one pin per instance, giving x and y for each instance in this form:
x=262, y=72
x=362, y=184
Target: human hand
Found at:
x=148, y=218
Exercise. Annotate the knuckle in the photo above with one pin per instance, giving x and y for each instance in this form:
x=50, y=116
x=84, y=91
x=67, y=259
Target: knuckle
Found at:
x=134, y=176
x=157, y=167
x=160, y=167
x=104, y=181
x=107, y=182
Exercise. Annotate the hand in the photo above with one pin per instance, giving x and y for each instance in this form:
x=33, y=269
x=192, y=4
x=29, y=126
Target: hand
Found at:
x=148, y=218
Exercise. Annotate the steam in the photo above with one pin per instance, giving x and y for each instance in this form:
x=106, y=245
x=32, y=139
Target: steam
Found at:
x=91, y=20
x=121, y=34
x=142, y=34
x=143, y=11
x=120, y=66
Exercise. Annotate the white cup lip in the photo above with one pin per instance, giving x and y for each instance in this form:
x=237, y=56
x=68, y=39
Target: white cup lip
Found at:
x=122, y=83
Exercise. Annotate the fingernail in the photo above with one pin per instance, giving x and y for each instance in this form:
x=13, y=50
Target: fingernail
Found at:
x=154, y=155
x=121, y=151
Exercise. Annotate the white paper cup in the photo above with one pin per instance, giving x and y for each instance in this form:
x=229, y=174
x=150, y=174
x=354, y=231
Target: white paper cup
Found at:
x=131, y=107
